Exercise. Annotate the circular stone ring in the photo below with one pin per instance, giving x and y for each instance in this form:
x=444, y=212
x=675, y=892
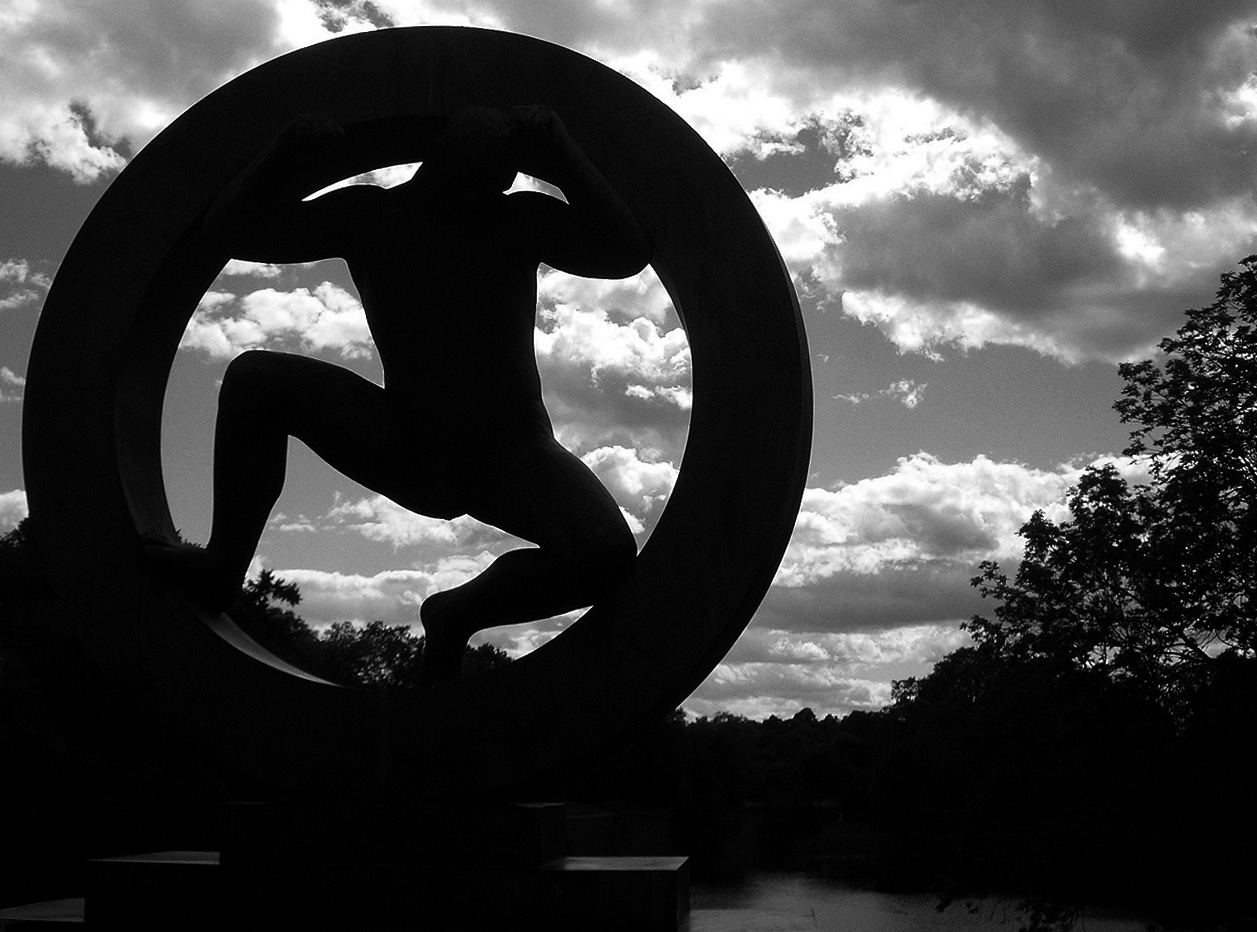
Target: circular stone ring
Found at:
x=131, y=281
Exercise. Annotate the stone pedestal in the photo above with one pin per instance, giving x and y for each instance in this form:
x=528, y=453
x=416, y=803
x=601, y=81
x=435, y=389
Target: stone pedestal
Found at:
x=450, y=868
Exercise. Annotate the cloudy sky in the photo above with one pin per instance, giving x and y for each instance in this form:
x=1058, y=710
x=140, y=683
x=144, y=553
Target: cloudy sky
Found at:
x=985, y=206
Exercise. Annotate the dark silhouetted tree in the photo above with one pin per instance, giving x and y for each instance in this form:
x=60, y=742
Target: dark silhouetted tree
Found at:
x=1152, y=583
x=1195, y=417
x=1117, y=669
x=264, y=611
x=376, y=655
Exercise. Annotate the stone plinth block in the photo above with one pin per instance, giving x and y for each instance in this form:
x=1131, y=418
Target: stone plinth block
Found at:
x=149, y=890
x=179, y=889
x=399, y=833
x=43, y=917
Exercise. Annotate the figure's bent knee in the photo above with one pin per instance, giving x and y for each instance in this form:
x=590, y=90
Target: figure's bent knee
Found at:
x=245, y=375
x=251, y=367
x=603, y=560
x=261, y=383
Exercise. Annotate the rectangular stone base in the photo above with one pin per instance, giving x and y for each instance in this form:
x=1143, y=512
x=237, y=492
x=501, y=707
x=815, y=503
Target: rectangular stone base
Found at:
x=195, y=889
x=43, y=917
x=397, y=833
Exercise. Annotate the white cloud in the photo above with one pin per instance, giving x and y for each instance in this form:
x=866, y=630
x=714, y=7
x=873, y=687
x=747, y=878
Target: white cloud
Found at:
x=779, y=672
x=1114, y=132
x=20, y=284
x=683, y=398
x=641, y=295
x=906, y=391
x=81, y=81
x=925, y=511
x=12, y=509
x=393, y=596
x=608, y=383
x=732, y=104
x=640, y=486
x=238, y=267
x=591, y=340
x=11, y=385
x=518, y=640
x=327, y=318
x=927, y=327
x=300, y=524
x=901, y=549
x=380, y=519
x=19, y=271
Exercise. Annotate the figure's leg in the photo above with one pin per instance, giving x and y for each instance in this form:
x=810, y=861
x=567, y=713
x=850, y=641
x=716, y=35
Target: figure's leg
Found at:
x=265, y=398
x=546, y=495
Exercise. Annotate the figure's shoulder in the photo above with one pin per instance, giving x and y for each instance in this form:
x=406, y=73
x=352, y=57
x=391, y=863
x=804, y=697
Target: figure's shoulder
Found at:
x=533, y=201
x=351, y=198
x=533, y=211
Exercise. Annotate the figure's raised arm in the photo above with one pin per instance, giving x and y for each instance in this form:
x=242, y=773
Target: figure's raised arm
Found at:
x=594, y=234
x=260, y=214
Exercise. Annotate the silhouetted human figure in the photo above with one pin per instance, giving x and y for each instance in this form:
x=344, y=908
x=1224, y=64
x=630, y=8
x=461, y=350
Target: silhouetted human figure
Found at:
x=446, y=266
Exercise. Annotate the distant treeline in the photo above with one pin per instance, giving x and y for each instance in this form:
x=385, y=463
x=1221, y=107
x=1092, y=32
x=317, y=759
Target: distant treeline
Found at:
x=376, y=655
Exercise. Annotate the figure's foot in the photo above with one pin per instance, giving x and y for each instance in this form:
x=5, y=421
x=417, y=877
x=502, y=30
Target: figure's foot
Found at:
x=204, y=578
x=444, y=639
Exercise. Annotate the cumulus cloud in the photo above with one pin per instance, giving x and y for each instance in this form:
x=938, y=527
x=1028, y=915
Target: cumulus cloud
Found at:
x=292, y=525
x=925, y=511
x=20, y=284
x=610, y=383
x=327, y=597
x=1143, y=102
x=393, y=596
x=624, y=299
x=901, y=548
x=380, y=519
x=962, y=173
x=396, y=596
x=84, y=82
x=775, y=672
x=589, y=337
x=12, y=508
x=327, y=318
x=876, y=582
x=975, y=192
x=243, y=267
x=339, y=15
x=947, y=235
x=640, y=486
x=906, y=391
x=11, y=385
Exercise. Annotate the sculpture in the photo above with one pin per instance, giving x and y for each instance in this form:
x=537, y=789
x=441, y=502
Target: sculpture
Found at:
x=110, y=328
x=446, y=265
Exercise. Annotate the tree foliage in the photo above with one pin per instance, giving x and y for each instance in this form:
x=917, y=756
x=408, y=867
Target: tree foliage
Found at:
x=1151, y=583
x=1195, y=418
x=376, y=655
x=1098, y=592
x=1116, y=675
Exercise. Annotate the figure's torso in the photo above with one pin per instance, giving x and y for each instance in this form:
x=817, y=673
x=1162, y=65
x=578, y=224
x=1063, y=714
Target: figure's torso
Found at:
x=450, y=292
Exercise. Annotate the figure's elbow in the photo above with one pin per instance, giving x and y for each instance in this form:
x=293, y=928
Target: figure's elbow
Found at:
x=633, y=255
x=642, y=250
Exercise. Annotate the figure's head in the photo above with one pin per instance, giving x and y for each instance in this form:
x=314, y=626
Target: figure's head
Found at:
x=476, y=149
